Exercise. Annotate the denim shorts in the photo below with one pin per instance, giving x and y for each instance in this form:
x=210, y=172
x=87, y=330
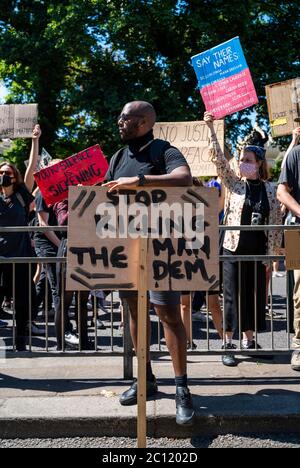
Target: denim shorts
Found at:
x=160, y=298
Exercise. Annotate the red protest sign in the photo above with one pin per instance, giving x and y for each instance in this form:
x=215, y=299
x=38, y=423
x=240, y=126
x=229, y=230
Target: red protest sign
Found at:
x=88, y=167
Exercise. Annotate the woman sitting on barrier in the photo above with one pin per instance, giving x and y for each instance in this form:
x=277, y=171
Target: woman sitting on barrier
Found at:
x=15, y=199
x=251, y=201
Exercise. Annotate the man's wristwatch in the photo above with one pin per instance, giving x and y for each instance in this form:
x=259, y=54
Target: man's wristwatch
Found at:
x=142, y=179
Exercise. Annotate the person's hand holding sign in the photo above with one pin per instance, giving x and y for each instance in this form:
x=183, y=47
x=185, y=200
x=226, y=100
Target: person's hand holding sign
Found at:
x=37, y=132
x=121, y=183
x=296, y=134
x=209, y=119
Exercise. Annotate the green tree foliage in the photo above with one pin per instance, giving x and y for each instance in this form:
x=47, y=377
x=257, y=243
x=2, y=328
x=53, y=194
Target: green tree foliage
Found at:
x=81, y=60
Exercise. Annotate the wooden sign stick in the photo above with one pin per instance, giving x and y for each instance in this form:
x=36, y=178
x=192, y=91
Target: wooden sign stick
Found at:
x=142, y=344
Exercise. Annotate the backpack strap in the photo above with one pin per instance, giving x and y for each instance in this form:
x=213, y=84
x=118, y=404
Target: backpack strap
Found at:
x=22, y=203
x=157, y=151
x=20, y=199
x=114, y=162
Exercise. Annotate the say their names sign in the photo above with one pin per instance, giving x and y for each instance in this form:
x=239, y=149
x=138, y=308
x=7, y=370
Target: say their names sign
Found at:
x=192, y=139
x=105, y=230
x=17, y=120
x=88, y=167
x=284, y=106
x=224, y=79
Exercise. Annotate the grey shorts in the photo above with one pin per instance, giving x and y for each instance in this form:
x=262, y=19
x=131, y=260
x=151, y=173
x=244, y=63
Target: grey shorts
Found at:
x=160, y=298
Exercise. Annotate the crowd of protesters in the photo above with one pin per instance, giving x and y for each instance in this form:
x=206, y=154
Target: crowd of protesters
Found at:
x=246, y=198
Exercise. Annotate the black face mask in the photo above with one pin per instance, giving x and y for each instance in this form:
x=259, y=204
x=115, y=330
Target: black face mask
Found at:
x=5, y=181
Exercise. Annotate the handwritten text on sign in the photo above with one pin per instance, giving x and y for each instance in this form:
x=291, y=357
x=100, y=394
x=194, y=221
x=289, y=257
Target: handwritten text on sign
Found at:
x=17, y=120
x=224, y=79
x=85, y=168
x=104, y=231
x=192, y=139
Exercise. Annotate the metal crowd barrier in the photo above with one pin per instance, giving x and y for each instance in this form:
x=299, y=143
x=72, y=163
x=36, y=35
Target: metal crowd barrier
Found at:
x=105, y=343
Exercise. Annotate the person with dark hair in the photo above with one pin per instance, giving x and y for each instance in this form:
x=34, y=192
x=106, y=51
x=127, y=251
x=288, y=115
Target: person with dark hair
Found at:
x=138, y=165
x=251, y=201
x=15, y=199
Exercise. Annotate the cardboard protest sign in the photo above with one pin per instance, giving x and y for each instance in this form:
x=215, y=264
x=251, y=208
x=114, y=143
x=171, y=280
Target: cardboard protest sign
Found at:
x=292, y=249
x=88, y=167
x=105, y=230
x=192, y=139
x=17, y=120
x=284, y=106
x=224, y=79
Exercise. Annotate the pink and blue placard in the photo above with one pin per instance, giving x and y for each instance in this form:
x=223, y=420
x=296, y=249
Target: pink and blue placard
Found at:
x=224, y=79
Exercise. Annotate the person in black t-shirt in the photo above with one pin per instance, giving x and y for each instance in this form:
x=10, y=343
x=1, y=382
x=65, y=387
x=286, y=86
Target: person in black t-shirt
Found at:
x=15, y=199
x=134, y=166
x=289, y=194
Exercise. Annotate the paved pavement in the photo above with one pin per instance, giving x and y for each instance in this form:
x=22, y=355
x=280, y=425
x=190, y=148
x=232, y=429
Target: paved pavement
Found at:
x=78, y=396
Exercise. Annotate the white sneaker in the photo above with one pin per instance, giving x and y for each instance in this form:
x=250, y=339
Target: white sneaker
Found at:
x=71, y=339
x=295, y=362
x=276, y=274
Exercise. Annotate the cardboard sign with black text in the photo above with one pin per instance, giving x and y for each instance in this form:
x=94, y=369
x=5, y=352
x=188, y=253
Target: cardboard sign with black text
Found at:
x=284, y=106
x=17, y=120
x=181, y=225
x=192, y=139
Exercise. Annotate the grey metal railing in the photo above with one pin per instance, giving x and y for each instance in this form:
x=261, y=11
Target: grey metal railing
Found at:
x=105, y=343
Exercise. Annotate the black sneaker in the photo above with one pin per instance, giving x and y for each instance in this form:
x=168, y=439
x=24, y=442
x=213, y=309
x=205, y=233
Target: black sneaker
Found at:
x=21, y=343
x=252, y=345
x=185, y=412
x=191, y=346
x=229, y=360
x=129, y=397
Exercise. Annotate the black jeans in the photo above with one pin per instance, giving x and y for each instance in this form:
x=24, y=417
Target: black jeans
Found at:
x=46, y=250
x=22, y=286
x=246, y=295
x=61, y=310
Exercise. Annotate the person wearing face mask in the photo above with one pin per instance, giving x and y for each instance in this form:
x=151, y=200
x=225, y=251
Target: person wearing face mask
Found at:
x=15, y=199
x=251, y=201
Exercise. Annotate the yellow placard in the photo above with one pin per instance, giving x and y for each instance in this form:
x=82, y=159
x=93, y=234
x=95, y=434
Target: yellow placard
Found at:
x=282, y=121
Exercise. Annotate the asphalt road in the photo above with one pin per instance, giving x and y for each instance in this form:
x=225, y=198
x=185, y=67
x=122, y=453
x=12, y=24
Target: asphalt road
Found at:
x=222, y=441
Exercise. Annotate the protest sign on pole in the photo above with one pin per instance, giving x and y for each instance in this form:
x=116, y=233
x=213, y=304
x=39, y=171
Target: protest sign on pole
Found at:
x=88, y=167
x=104, y=230
x=283, y=100
x=192, y=139
x=160, y=239
x=17, y=120
x=224, y=79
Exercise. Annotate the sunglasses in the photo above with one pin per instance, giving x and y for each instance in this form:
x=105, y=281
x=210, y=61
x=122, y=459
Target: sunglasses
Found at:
x=126, y=117
x=8, y=173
